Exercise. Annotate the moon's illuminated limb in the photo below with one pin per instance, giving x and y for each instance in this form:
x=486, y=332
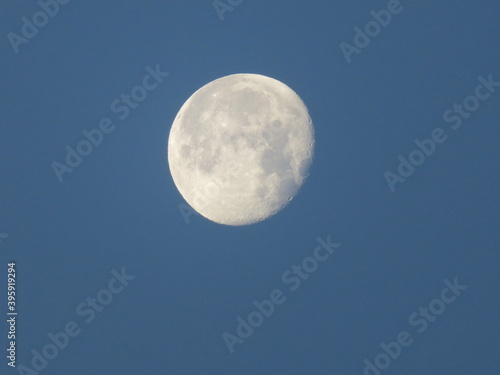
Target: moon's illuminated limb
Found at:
x=240, y=148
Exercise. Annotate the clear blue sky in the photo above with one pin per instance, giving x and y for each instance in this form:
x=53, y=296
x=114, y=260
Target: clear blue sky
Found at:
x=120, y=208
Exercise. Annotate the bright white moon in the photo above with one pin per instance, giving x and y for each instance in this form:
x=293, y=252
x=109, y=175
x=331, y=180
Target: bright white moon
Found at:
x=240, y=148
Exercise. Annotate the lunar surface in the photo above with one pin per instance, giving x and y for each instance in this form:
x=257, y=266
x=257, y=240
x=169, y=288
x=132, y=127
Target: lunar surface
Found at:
x=240, y=148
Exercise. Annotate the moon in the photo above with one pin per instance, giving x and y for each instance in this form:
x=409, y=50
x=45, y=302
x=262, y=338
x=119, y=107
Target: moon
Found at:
x=240, y=148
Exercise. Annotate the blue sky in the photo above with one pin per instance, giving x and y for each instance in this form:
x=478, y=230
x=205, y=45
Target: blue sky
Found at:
x=120, y=208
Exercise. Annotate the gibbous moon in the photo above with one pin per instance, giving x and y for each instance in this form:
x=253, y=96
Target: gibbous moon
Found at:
x=240, y=148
